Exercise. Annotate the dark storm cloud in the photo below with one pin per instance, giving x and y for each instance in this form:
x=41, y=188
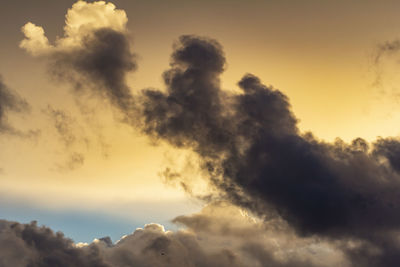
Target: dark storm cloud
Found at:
x=389, y=149
x=251, y=141
x=189, y=113
x=10, y=101
x=100, y=63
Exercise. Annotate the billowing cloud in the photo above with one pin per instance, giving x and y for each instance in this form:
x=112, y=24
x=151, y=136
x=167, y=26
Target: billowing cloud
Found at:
x=81, y=21
x=249, y=147
x=35, y=41
x=220, y=235
x=253, y=151
x=94, y=52
x=30, y=245
x=259, y=243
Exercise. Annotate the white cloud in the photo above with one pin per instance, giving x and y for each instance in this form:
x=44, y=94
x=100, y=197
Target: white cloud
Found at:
x=81, y=20
x=35, y=41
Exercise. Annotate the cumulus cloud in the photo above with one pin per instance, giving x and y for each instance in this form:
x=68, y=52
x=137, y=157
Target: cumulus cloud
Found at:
x=35, y=41
x=248, y=144
x=94, y=52
x=81, y=20
x=220, y=235
x=256, y=242
x=30, y=245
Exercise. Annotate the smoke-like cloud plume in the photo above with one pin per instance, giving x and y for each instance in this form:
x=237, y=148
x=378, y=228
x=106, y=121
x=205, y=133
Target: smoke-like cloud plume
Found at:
x=65, y=127
x=387, y=48
x=253, y=151
x=94, y=52
x=249, y=144
x=10, y=101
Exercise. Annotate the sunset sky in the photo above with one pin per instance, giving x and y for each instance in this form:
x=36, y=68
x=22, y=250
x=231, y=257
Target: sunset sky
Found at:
x=77, y=157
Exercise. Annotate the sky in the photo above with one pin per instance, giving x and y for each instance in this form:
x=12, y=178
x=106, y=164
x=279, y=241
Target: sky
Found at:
x=181, y=127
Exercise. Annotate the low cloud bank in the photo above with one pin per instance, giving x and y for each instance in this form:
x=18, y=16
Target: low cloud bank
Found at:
x=220, y=235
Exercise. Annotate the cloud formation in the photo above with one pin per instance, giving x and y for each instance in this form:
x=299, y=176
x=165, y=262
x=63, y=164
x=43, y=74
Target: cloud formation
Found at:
x=220, y=235
x=63, y=123
x=94, y=52
x=80, y=21
x=253, y=151
x=72, y=139
x=30, y=245
x=10, y=101
x=249, y=145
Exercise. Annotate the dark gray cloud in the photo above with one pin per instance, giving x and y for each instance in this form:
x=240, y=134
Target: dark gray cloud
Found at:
x=34, y=246
x=192, y=106
x=100, y=63
x=10, y=101
x=251, y=146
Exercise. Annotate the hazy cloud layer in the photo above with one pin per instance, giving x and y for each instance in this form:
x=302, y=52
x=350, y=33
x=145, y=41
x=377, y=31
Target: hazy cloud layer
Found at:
x=387, y=48
x=71, y=136
x=249, y=146
x=10, y=101
x=63, y=123
x=382, y=53
x=30, y=245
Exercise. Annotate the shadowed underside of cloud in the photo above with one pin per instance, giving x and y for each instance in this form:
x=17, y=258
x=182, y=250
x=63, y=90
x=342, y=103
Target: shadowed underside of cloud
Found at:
x=249, y=144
